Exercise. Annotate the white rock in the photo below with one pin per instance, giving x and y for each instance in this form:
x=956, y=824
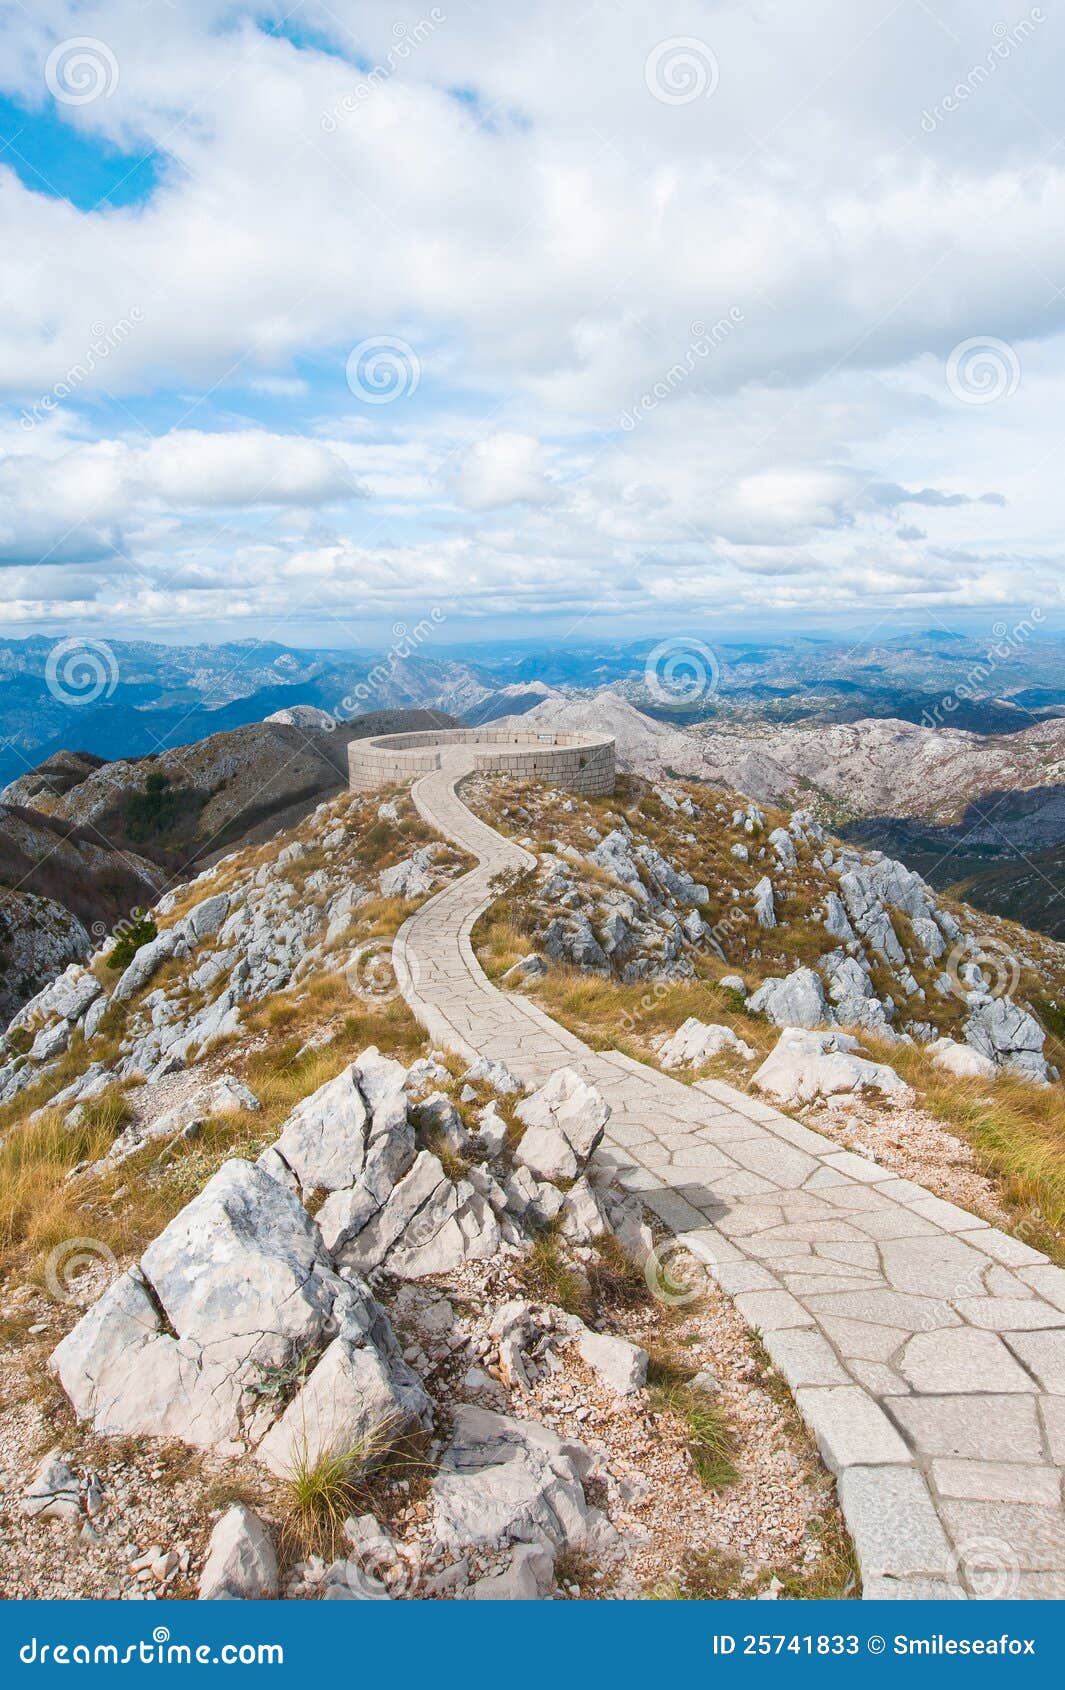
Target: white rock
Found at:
x=696, y=1042
x=510, y=1480
x=798, y=1000
x=241, y=1565
x=564, y=1122
x=961, y=1060
x=54, y=1493
x=805, y=1065
x=620, y=1365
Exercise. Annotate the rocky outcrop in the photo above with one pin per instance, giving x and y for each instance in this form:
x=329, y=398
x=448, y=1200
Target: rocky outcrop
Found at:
x=38, y=937
x=798, y=1000
x=697, y=1042
x=563, y=1122
x=234, y=1297
x=806, y=1065
x=503, y=1480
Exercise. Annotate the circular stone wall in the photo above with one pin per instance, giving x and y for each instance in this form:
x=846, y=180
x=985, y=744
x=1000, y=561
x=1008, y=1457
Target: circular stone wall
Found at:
x=578, y=762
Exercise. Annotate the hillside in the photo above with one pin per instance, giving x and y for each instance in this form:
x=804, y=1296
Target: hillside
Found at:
x=950, y=804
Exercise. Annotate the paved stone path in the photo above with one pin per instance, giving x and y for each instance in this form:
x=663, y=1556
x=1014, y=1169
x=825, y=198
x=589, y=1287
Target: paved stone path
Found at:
x=925, y=1349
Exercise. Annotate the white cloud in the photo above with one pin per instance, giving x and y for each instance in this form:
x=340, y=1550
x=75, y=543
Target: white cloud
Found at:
x=505, y=469
x=556, y=249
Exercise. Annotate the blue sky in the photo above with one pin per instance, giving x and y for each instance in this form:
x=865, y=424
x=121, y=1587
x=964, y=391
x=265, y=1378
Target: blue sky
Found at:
x=561, y=320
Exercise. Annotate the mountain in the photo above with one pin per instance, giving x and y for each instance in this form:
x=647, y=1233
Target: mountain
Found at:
x=949, y=803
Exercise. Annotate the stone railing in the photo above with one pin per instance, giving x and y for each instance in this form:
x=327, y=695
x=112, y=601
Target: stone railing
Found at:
x=577, y=762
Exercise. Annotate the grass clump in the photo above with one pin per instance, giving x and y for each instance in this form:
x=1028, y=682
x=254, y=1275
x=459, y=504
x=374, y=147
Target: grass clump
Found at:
x=548, y=1276
x=711, y=1442
x=324, y=1485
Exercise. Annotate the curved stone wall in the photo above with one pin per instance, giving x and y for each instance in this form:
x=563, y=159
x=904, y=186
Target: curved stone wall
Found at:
x=578, y=762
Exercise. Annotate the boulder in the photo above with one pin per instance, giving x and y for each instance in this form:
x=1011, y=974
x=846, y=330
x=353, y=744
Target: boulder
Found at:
x=410, y=879
x=783, y=847
x=54, y=1493
x=531, y=967
x=696, y=1042
x=206, y=918
x=764, y=907
x=337, y=1139
x=798, y=1000
x=962, y=1060
x=564, y=1122
x=503, y=1480
x=805, y=1065
x=241, y=1565
x=494, y=1074
x=224, y=1304
x=425, y=1225
x=1007, y=1034
x=145, y=962
x=353, y=1407
x=530, y=1577
x=621, y=1366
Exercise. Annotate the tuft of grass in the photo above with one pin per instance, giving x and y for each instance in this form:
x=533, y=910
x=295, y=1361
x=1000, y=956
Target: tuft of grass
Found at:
x=107, y=1113
x=38, y=1207
x=323, y=1486
x=711, y=1442
x=548, y=1276
x=614, y=1279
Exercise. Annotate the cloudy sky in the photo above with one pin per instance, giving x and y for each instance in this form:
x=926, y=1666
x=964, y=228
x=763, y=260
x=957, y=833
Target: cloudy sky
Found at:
x=547, y=315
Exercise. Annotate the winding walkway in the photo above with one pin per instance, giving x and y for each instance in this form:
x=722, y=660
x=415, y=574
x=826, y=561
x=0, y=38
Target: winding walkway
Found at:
x=925, y=1349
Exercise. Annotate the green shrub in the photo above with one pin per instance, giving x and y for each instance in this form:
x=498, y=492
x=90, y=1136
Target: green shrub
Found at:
x=137, y=933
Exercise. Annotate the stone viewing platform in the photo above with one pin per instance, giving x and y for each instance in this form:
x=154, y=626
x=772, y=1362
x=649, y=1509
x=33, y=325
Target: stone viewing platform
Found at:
x=577, y=762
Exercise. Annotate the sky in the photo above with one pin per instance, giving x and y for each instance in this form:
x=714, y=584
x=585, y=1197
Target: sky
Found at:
x=541, y=317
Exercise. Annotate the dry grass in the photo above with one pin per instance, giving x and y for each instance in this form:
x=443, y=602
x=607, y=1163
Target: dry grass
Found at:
x=1017, y=1130
x=38, y=1207
x=323, y=1486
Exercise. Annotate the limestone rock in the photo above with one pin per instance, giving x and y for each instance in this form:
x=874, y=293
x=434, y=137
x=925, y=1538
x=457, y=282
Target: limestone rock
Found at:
x=564, y=1122
x=620, y=1365
x=962, y=1060
x=805, y=1065
x=798, y=1000
x=696, y=1042
x=503, y=1480
x=241, y=1565
x=1007, y=1034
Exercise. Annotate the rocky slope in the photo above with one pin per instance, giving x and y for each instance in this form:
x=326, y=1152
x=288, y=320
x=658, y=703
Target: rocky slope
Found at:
x=951, y=804
x=246, y=1134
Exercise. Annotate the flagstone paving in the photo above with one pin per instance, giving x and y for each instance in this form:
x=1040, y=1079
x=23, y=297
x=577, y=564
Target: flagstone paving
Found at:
x=925, y=1349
